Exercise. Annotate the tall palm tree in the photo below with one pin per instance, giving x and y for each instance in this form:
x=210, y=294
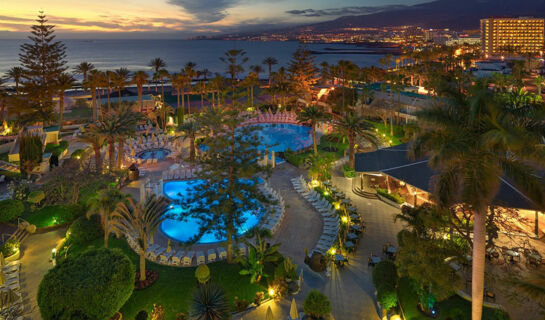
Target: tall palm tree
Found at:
x=104, y=204
x=122, y=76
x=140, y=78
x=179, y=81
x=475, y=140
x=127, y=120
x=96, y=139
x=191, y=73
x=162, y=75
x=354, y=126
x=93, y=81
x=65, y=82
x=269, y=62
x=3, y=98
x=109, y=82
x=84, y=68
x=110, y=129
x=313, y=115
x=140, y=220
x=190, y=130
x=157, y=64
x=16, y=74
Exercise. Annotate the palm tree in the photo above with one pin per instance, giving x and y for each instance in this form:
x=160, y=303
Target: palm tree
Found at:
x=65, y=82
x=157, y=64
x=16, y=74
x=269, y=62
x=209, y=302
x=3, y=98
x=474, y=141
x=258, y=255
x=140, y=78
x=121, y=80
x=93, y=81
x=127, y=120
x=84, y=68
x=314, y=115
x=96, y=139
x=190, y=129
x=538, y=81
x=354, y=126
x=104, y=204
x=110, y=129
x=189, y=71
x=179, y=81
x=109, y=82
x=140, y=220
x=161, y=75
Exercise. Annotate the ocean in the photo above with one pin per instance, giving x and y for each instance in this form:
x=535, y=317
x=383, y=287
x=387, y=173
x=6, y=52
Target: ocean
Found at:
x=135, y=54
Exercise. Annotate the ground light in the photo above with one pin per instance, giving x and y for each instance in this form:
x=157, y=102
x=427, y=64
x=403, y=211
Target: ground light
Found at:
x=345, y=219
x=332, y=250
x=271, y=292
x=337, y=206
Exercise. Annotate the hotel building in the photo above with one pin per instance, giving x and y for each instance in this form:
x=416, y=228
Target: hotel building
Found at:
x=510, y=36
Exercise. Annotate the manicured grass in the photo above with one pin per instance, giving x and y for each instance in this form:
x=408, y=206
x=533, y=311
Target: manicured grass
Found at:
x=298, y=159
x=50, y=215
x=175, y=286
x=453, y=308
x=398, y=136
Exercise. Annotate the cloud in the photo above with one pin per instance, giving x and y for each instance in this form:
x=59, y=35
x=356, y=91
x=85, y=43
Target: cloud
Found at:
x=345, y=11
x=206, y=10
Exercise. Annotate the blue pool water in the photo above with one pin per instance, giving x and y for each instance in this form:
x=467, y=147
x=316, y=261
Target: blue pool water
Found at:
x=184, y=230
x=158, y=153
x=285, y=136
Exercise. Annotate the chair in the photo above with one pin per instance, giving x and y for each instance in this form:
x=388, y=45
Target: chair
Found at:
x=165, y=257
x=177, y=258
x=241, y=250
x=222, y=254
x=188, y=259
x=200, y=258
x=211, y=255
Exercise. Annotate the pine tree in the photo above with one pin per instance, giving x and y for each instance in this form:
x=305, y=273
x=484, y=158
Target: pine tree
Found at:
x=230, y=169
x=303, y=72
x=43, y=61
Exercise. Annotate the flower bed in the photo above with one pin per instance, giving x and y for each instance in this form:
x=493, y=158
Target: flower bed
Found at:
x=151, y=278
x=395, y=197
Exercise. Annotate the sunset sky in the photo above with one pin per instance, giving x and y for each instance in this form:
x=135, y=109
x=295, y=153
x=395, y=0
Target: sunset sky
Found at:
x=176, y=18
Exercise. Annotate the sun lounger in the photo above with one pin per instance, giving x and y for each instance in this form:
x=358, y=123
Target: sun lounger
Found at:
x=152, y=248
x=155, y=254
x=200, y=258
x=177, y=258
x=165, y=256
x=241, y=250
x=222, y=254
x=212, y=255
x=188, y=259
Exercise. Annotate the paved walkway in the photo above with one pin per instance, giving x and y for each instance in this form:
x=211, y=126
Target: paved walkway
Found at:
x=350, y=290
x=36, y=252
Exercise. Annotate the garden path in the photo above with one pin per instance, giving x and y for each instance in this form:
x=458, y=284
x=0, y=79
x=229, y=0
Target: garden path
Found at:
x=351, y=289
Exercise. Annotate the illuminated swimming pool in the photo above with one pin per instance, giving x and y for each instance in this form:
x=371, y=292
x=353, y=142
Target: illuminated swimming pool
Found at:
x=184, y=230
x=156, y=153
x=284, y=136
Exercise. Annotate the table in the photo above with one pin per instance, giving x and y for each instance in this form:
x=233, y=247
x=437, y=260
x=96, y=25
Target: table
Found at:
x=454, y=266
x=339, y=257
x=346, y=201
x=352, y=209
x=355, y=217
x=349, y=244
x=355, y=227
x=374, y=259
x=352, y=236
x=391, y=249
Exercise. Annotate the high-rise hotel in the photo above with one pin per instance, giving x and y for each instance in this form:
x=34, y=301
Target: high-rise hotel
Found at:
x=510, y=36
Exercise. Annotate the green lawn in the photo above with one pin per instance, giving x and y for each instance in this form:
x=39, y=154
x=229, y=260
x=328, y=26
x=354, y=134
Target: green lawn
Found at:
x=175, y=286
x=50, y=215
x=453, y=308
x=299, y=158
x=384, y=132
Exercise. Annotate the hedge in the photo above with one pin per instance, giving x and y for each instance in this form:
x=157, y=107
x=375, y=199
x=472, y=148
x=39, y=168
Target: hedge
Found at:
x=395, y=197
x=84, y=230
x=56, y=149
x=317, y=305
x=11, y=209
x=349, y=172
x=92, y=285
x=385, y=281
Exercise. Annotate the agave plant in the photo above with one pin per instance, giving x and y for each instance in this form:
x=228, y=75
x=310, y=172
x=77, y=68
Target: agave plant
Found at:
x=209, y=303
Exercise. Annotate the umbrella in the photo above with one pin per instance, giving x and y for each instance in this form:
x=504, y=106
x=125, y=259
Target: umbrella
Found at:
x=2, y=260
x=300, y=282
x=269, y=315
x=168, y=246
x=293, y=310
x=2, y=278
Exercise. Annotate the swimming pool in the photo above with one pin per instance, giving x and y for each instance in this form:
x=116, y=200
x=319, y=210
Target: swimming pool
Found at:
x=284, y=136
x=156, y=153
x=184, y=230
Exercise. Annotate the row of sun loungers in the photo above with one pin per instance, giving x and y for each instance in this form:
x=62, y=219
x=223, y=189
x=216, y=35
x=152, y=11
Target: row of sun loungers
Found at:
x=179, y=174
x=184, y=258
x=269, y=117
x=10, y=290
x=330, y=217
x=275, y=212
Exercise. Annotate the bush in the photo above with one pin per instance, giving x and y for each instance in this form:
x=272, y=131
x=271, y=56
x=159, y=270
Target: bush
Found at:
x=142, y=315
x=36, y=197
x=202, y=273
x=349, y=172
x=84, y=230
x=92, y=285
x=296, y=159
x=385, y=281
x=11, y=209
x=56, y=149
x=241, y=305
x=258, y=298
x=316, y=305
x=181, y=316
x=395, y=197
x=10, y=247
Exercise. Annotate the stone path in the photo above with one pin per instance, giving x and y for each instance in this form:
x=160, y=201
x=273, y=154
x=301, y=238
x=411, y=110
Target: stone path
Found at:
x=350, y=290
x=36, y=252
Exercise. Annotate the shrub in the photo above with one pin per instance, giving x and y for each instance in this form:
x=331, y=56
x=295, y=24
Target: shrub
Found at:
x=349, y=172
x=10, y=210
x=385, y=281
x=10, y=247
x=395, y=197
x=241, y=305
x=36, y=197
x=297, y=159
x=202, y=273
x=316, y=305
x=77, y=154
x=158, y=312
x=84, y=230
x=91, y=285
x=56, y=149
x=181, y=316
x=258, y=298
x=209, y=299
x=142, y=315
